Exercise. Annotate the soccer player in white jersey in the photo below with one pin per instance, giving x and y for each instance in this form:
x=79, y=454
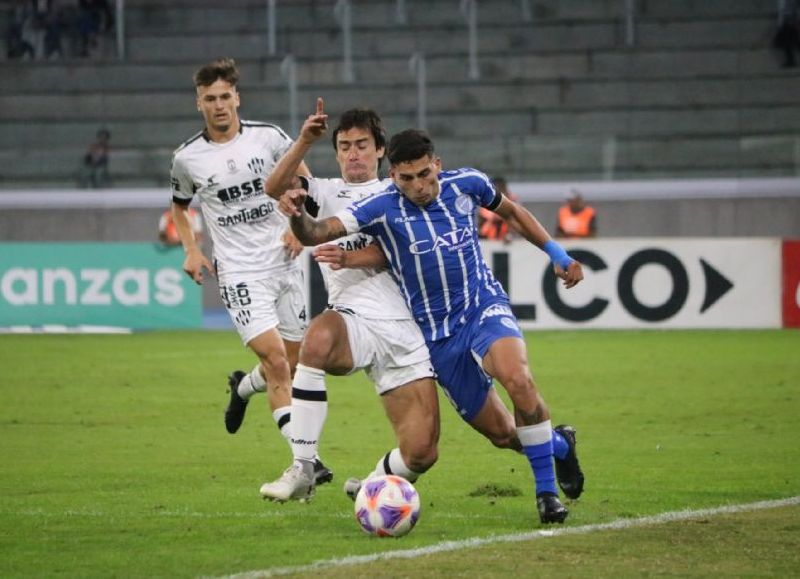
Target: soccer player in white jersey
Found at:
x=260, y=282
x=367, y=324
x=425, y=225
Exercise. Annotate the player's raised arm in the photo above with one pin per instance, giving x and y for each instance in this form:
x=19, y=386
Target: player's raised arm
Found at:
x=525, y=223
x=284, y=174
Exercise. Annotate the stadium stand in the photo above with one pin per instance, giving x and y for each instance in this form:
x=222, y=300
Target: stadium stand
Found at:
x=562, y=96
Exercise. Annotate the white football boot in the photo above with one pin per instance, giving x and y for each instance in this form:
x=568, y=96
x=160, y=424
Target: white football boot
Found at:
x=293, y=485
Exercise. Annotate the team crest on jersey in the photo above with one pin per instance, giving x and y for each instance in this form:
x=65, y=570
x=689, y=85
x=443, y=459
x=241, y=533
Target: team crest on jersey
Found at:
x=464, y=205
x=231, y=165
x=256, y=165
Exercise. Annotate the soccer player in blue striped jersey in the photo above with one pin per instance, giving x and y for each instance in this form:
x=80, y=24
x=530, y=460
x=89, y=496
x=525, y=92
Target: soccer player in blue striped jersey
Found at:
x=425, y=224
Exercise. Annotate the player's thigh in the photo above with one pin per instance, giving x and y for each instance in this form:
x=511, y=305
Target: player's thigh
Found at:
x=413, y=410
x=507, y=359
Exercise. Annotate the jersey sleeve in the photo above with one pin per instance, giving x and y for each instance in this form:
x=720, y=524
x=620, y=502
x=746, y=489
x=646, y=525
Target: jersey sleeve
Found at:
x=180, y=182
x=482, y=190
x=362, y=215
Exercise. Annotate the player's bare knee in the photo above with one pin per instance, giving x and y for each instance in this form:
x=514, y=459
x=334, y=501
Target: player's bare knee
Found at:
x=317, y=346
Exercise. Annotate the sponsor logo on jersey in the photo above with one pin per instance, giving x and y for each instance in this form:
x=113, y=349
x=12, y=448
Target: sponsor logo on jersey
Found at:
x=464, y=205
x=212, y=182
x=176, y=185
x=352, y=244
x=243, y=317
x=241, y=192
x=343, y=194
x=405, y=219
x=248, y=215
x=450, y=241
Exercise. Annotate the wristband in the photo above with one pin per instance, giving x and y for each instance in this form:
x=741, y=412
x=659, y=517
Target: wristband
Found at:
x=557, y=254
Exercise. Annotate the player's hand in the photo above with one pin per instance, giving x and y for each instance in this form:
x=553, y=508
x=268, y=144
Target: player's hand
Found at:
x=316, y=124
x=291, y=244
x=291, y=202
x=572, y=276
x=193, y=266
x=331, y=254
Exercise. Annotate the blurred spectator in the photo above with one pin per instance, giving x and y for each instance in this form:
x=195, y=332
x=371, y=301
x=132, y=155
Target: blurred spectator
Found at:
x=94, y=17
x=576, y=218
x=787, y=37
x=168, y=233
x=19, y=42
x=94, y=172
x=490, y=224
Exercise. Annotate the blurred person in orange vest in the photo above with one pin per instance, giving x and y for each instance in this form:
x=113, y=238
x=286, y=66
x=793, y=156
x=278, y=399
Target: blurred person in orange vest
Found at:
x=576, y=218
x=490, y=224
x=168, y=234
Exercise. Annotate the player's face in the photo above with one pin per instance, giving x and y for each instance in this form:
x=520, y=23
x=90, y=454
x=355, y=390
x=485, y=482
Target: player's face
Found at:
x=357, y=155
x=218, y=103
x=418, y=180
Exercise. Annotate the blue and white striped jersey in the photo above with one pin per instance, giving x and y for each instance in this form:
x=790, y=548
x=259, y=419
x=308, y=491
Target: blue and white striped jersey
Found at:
x=433, y=251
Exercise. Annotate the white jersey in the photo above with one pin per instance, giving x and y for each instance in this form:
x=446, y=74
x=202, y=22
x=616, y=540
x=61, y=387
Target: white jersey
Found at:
x=370, y=293
x=244, y=223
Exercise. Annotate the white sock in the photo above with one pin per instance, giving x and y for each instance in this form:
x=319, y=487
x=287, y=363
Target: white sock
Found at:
x=393, y=463
x=282, y=417
x=252, y=383
x=309, y=411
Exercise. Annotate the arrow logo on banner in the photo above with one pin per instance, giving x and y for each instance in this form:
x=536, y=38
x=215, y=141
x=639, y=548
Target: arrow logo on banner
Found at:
x=717, y=285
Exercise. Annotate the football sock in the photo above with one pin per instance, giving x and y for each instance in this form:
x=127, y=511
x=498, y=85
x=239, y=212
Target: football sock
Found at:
x=560, y=446
x=283, y=418
x=393, y=463
x=537, y=444
x=252, y=383
x=309, y=411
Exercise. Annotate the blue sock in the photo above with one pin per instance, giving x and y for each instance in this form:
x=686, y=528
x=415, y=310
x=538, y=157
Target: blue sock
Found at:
x=541, y=458
x=560, y=446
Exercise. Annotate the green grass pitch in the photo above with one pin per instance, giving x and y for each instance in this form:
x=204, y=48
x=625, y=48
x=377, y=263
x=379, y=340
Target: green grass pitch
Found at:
x=115, y=461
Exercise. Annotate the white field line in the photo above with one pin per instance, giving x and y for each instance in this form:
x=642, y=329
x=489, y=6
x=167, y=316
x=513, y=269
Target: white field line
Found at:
x=319, y=567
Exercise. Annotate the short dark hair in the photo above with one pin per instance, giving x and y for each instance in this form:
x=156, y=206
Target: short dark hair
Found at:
x=222, y=68
x=409, y=145
x=366, y=119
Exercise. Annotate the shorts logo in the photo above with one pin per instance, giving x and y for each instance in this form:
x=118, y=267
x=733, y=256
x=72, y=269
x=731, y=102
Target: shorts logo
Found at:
x=509, y=323
x=243, y=317
x=236, y=296
x=464, y=205
x=496, y=310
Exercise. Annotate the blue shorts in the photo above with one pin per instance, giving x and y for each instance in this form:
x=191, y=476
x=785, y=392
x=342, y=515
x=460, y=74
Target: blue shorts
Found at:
x=457, y=359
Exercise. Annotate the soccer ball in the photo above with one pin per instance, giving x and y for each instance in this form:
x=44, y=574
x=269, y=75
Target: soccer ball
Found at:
x=387, y=506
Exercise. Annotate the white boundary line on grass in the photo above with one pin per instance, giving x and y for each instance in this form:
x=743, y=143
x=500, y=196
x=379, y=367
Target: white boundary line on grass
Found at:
x=669, y=517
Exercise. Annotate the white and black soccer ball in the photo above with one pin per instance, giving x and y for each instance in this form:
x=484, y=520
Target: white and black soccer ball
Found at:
x=387, y=506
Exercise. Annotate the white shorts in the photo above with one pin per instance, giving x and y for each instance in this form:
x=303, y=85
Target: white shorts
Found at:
x=258, y=306
x=391, y=352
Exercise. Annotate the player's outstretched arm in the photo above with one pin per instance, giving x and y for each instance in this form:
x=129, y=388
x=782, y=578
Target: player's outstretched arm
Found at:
x=284, y=174
x=525, y=223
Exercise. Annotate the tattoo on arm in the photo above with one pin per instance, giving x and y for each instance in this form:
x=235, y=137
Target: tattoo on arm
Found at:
x=312, y=232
